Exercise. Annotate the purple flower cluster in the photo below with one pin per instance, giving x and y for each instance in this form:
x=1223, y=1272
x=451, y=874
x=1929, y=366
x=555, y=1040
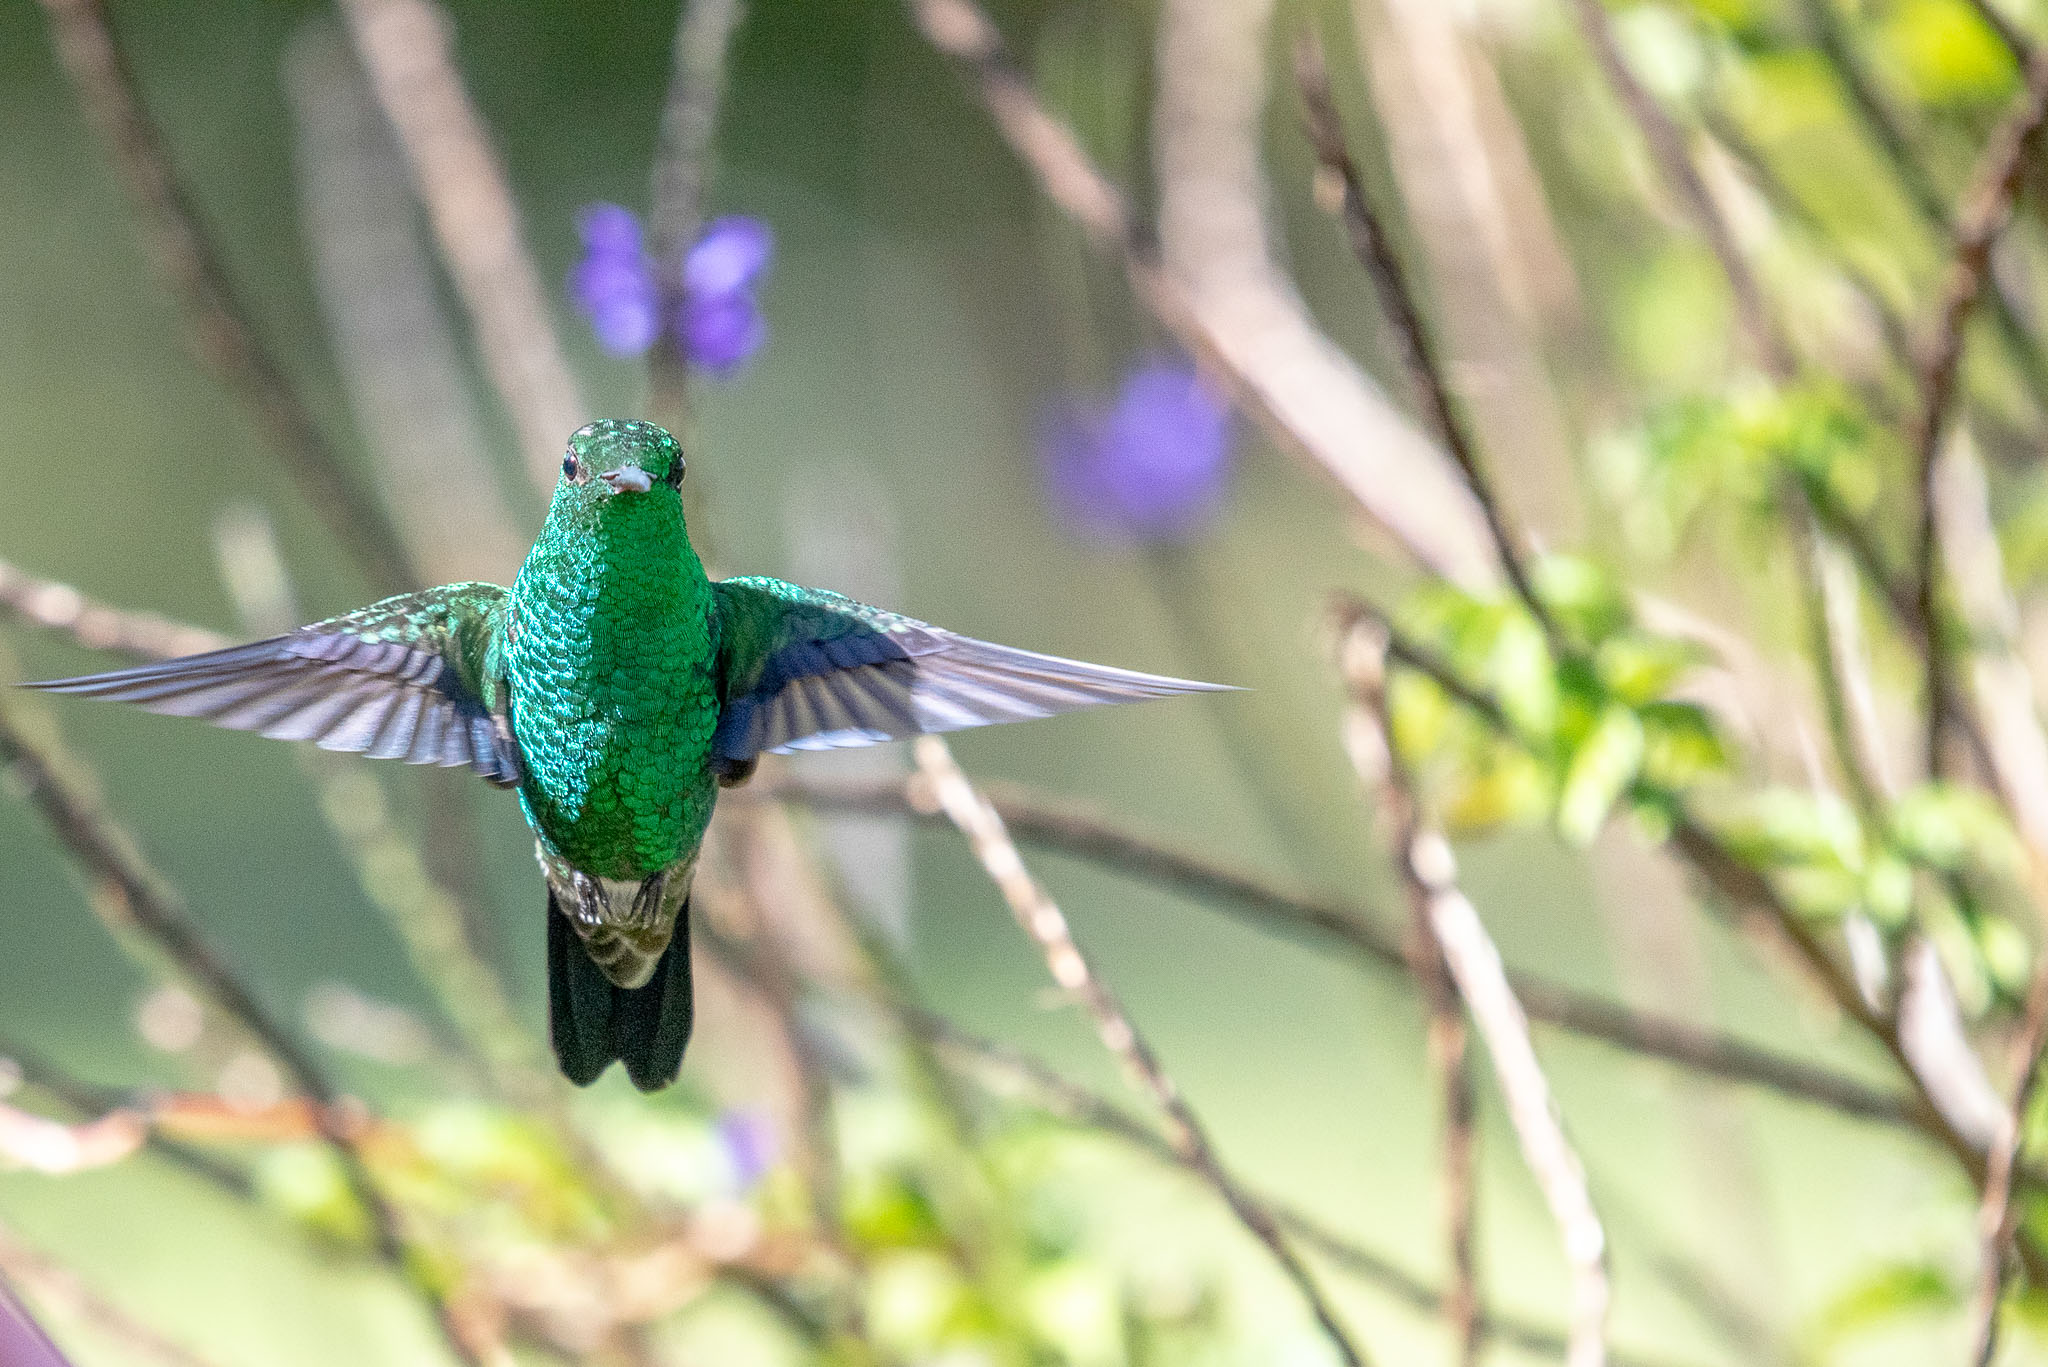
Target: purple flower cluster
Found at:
x=718, y=325
x=1149, y=466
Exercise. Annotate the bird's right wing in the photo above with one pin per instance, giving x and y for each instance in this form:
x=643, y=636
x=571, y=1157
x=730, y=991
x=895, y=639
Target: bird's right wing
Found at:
x=803, y=669
x=407, y=678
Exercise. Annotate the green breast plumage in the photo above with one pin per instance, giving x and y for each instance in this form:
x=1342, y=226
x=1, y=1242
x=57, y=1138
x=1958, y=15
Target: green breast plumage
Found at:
x=610, y=650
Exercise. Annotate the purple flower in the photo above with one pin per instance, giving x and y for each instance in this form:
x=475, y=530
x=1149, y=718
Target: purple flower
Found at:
x=614, y=282
x=717, y=325
x=750, y=1145
x=1150, y=466
x=730, y=255
x=720, y=332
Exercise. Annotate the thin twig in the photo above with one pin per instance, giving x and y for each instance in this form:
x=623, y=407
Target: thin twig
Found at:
x=1998, y=1215
x=1887, y=129
x=1733, y=880
x=1442, y=530
x=88, y=1099
x=1041, y=919
x=682, y=168
x=216, y=320
x=1429, y=870
x=52, y=1147
x=1666, y=143
x=1786, y=200
x=59, y=607
x=1061, y=827
x=1374, y=248
x=1986, y=209
x=1008, y=1073
x=1451, y=1060
x=112, y=860
x=405, y=47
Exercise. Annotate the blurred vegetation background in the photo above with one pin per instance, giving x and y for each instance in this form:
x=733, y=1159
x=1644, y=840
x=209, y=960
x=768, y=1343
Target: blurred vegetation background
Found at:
x=1721, y=502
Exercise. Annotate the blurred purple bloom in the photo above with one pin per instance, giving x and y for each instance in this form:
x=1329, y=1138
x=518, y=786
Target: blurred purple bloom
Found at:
x=718, y=326
x=750, y=1145
x=732, y=252
x=614, y=282
x=720, y=332
x=1151, y=466
x=609, y=228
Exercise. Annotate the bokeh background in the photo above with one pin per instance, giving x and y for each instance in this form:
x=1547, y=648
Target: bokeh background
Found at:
x=930, y=313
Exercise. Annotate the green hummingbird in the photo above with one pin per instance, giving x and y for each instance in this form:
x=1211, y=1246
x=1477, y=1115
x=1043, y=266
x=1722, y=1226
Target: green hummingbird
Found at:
x=617, y=688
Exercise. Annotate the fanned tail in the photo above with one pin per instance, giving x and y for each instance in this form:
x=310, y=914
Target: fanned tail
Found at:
x=593, y=1022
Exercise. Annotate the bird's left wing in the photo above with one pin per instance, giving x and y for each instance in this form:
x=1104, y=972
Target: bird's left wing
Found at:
x=803, y=669
x=406, y=678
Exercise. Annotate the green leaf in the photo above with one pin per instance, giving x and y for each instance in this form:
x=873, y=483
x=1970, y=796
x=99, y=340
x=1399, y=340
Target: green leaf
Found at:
x=2007, y=955
x=1419, y=714
x=1640, y=668
x=1503, y=786
x=1946, y=52
x=1888, y=890
x=1601, y=769
x=306, y=1183
x=1523, y=675
x=1680, y=744
x=1892, y=1292
x=1581, y=595
x=1781, y=826
x=1948, y=826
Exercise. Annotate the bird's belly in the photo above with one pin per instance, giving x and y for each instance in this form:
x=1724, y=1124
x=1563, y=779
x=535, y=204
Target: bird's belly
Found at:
x=619, y=786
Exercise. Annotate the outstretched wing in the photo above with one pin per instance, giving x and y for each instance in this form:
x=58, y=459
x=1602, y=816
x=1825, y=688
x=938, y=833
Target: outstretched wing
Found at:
x=407, y=678
x=803, y=669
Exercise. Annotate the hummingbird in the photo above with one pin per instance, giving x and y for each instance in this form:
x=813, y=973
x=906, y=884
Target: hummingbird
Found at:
x=617, y=688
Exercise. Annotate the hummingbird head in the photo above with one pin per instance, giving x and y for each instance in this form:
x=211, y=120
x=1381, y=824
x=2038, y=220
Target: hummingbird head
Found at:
x=619, y=458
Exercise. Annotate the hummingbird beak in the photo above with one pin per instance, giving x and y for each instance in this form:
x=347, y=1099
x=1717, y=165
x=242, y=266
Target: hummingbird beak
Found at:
x=628, y=479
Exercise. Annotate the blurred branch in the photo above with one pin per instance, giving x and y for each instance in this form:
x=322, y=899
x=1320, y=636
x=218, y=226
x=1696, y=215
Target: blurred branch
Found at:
x=682, y=168
x=1374, y=248
x=405, y=48
x=111, y=859
x=395, y=348
x=1041, y=919
x=1783, y=198
x=1886, y=128
x=2019, y=753
x=1741, y=887
x=216, y=320
x=89, y=1099
x=1998, y=1215
x=1007, y=1073
x=387, y=862
x=1277, y=372
x=1986, y=209
x=59, y=607
x=51, y=1147
x=59, y=1287
x=1666, y=144
x=1467, y=952
x=1036, y=819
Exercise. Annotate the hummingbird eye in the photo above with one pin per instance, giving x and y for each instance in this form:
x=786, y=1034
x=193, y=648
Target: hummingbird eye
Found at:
x=569, y=466
x=677, y=468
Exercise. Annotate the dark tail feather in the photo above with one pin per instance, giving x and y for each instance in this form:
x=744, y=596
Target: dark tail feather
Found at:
x=593, y=1022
